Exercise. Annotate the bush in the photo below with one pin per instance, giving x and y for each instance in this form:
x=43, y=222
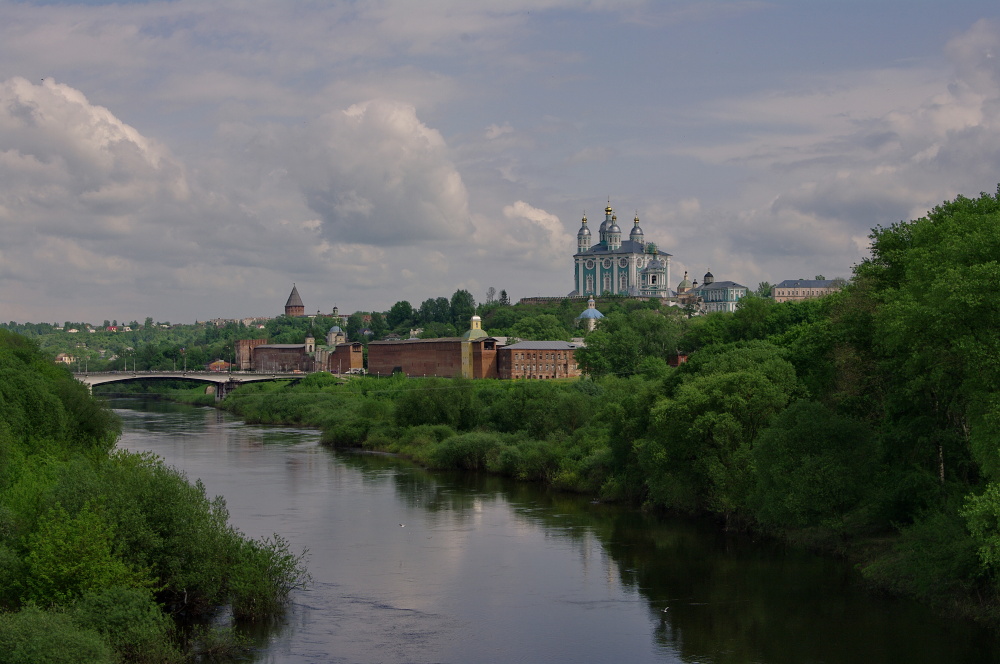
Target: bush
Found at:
x=34, y=636
x=130, y=621
x=468, y=451
x=263, y=576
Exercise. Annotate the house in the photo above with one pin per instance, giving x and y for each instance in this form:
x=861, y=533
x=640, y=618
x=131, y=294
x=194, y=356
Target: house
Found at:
x=801, y=289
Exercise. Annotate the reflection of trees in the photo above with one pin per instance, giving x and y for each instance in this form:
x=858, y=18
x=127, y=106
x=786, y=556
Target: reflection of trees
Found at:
x=732, y=599
x=728, y=598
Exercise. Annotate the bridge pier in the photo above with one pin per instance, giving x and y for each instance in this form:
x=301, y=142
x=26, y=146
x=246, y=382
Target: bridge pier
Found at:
x=222, y=389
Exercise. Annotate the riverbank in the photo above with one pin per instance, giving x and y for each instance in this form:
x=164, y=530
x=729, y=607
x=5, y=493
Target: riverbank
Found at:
x=596, y=438
x=104, y=554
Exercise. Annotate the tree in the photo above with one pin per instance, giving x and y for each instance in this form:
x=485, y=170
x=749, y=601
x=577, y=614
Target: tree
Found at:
x=704, y=430
x=812, y=468
x=463, y=308
x=504, y=300
x=763, y=289
x=542, y=327
x=401, y=314
x=435, y=310
x=354, y=326
x=378, y=326
x=491, y=294
x=930, y=328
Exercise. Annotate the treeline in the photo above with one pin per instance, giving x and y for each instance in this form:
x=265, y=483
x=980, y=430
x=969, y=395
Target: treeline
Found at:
x=103, y=552
x=867, y=421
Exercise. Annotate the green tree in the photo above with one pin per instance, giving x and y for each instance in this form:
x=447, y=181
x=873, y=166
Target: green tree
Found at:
x=69, y=556
x=354, y=326
x=463, y=308
x=812, y=467
x=400, y=315
x=704, y=430
x=378, y=326
x=542, y=327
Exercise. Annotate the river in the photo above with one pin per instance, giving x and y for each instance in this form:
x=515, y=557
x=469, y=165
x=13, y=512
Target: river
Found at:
x=415, y=566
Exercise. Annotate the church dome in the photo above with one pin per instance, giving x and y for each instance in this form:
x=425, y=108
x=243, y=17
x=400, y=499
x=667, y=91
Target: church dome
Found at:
x=591, y=311
x=475, y=330
x=584, y=231
x=335, y=330
x=613, y=228
x=636, y=234
x=685, y=285
x=709, y=278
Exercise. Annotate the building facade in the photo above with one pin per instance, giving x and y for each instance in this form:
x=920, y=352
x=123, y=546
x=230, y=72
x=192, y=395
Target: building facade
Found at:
x=616, y=266
x=244, y=353
x=447, y=357
x=541, y=360
x=345, y=357
x=712, y=295
x=282, y=358
x=801, y=289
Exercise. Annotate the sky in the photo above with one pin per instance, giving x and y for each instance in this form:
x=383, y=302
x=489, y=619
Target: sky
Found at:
x=188, y=160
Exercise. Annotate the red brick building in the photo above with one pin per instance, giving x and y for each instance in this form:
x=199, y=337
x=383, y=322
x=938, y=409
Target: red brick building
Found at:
x=446, y=357
x=342, y=358
x=537, y=359
x=244, y=353
x=280, y=358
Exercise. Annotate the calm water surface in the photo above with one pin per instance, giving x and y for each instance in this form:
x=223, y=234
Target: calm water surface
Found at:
x=414, y=566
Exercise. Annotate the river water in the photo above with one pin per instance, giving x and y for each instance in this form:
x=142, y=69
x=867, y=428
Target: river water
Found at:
x=413, y=566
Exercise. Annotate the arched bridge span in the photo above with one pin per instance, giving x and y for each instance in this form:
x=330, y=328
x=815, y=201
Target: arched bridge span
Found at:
x=224, y=381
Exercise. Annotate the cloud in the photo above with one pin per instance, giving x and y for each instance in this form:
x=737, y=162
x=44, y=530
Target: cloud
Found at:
x=376, y=174
x=528, y=237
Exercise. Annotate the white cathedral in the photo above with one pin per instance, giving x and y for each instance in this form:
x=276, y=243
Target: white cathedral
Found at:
x=629, y=267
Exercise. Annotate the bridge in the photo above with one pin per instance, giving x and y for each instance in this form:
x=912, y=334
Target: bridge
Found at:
x=224, y=381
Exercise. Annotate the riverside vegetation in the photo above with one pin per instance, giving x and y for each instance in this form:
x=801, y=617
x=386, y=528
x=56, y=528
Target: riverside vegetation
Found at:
x=866, y=422
x=110, y=556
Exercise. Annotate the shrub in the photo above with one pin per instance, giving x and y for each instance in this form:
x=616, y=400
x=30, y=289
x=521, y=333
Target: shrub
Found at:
x=32, y=636
x=130, y=621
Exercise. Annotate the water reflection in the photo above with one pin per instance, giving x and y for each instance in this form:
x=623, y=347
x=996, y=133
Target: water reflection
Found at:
x=415, y=566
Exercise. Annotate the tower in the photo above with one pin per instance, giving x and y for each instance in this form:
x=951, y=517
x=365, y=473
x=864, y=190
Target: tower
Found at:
x=294, y=306
x=583, y=237
x=636, y=234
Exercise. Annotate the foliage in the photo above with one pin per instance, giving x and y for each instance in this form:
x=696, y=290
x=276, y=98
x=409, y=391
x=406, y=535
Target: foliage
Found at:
x=68, y=556
x=110, y=545
x=130, y=621
x=32, y=635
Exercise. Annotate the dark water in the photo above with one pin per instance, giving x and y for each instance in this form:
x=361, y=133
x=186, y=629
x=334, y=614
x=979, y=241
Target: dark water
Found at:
x=414, y=566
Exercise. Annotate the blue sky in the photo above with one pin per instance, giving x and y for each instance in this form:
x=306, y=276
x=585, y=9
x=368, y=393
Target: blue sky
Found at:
x=186, y=160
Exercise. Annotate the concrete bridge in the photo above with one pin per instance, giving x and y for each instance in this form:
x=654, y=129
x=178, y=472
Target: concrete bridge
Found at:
x=224, y=381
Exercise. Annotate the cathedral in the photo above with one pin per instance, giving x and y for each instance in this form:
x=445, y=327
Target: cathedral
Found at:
x=619, y=267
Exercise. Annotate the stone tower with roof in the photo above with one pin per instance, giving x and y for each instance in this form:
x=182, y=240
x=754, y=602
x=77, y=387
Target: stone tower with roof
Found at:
x=294, y=306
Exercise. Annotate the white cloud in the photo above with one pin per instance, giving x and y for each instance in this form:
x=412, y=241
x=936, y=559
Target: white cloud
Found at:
x=376, y=174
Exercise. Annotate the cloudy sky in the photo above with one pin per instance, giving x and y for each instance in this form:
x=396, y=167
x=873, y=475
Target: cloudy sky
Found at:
x=188, y=159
